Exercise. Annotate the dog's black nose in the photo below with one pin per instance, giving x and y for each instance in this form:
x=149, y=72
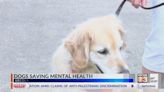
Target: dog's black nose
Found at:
x=124, y=71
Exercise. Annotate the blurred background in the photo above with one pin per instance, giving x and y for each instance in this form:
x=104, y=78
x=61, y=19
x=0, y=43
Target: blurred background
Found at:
x=31, y=30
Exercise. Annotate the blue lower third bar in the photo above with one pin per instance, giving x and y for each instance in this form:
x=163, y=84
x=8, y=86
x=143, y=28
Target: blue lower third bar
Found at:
x=74, y=80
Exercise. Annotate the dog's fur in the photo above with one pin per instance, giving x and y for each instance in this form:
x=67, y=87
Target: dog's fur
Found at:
x=97, y=41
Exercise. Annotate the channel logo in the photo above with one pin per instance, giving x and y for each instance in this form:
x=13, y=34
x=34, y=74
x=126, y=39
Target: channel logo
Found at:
x=142, y=78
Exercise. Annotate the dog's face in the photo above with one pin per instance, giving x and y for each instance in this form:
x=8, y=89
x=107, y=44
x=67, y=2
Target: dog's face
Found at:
x=98, y=40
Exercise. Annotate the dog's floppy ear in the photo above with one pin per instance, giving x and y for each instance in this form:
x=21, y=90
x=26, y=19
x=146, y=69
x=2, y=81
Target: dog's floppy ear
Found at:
x=78, y=44
x=122, y=33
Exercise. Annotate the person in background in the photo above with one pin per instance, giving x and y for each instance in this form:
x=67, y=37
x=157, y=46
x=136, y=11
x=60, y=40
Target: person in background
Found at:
x=153, y=57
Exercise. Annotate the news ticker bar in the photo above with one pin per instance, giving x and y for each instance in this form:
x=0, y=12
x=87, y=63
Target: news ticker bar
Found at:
x=73, y=80
x=83, y=81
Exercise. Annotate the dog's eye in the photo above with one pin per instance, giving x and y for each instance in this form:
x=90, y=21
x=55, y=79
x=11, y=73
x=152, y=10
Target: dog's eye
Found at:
x=121, y=48
x=103, y=51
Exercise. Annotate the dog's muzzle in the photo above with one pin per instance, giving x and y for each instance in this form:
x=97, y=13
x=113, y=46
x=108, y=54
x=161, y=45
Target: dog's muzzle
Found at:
x=124, y=71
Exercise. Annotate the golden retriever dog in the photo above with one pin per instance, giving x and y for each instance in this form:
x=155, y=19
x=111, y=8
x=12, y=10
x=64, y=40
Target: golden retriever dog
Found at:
x=98, y=41
x=92, y=46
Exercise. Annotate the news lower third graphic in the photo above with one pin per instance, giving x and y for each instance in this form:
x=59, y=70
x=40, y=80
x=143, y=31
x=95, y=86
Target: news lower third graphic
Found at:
x=83, y=81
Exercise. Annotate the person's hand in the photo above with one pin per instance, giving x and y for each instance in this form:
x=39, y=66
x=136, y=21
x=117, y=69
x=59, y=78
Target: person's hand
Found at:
x=137, y=3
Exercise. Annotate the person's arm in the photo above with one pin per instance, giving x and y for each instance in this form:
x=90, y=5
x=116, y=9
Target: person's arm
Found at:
x=137, y=3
